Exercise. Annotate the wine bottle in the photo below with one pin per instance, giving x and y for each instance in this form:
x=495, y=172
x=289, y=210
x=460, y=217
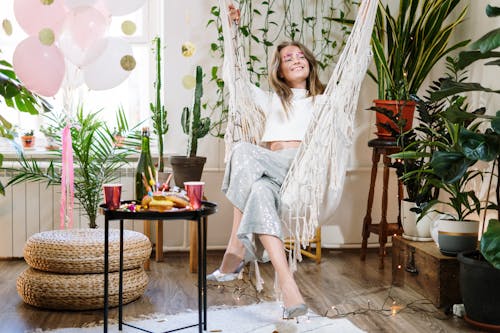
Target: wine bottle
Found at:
x=145, y=168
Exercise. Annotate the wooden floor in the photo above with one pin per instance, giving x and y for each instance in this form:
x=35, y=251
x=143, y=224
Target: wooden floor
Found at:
x=341, y=285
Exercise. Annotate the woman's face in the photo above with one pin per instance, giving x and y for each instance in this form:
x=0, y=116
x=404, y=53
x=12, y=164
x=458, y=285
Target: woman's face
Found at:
x=294, y=67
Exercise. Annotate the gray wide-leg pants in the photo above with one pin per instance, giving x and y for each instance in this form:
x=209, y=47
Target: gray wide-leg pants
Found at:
x=252, y=183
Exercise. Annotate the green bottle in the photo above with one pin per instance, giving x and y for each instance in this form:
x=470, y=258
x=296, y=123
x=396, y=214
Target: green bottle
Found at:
x=145, y=168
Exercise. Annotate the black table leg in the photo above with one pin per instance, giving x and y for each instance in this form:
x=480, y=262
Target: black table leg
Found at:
x=204, y=276
x=200, y=274
x=106, y=268
x=120, y=282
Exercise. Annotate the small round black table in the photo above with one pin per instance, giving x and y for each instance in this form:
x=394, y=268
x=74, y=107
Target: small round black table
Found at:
x=199, y=216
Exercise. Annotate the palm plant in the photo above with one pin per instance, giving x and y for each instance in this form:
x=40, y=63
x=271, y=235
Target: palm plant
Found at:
x=96, y=161
x=406, y=47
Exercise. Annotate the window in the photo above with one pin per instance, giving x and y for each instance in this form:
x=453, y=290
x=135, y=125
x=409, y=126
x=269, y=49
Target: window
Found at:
x=134, y=94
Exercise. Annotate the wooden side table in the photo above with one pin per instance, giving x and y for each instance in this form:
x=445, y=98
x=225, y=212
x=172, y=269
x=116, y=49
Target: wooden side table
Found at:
x=384, y=148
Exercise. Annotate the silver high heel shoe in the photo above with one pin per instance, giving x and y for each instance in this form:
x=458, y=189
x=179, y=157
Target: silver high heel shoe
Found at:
x=218, y=276
x=295, y=311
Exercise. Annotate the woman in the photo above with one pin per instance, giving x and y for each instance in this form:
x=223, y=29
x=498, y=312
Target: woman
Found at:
x=254, y=174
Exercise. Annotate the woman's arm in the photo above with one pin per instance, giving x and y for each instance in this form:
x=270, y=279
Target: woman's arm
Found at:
x=235, y=73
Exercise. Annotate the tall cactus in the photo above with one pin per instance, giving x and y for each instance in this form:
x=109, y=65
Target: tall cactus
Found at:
x=192, y=123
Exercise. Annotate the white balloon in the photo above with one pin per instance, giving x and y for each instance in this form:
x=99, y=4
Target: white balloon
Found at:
x=77, y=3
x=123, y=7
x=106, y=71
x=72, y=52
x=74, y=76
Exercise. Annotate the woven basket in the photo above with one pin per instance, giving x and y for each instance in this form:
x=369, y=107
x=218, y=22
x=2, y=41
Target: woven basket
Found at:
x=77, y=251
x=78, y=291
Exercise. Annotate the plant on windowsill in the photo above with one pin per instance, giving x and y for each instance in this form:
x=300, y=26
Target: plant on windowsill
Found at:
x=28, y=139
x=96, y=160
x=51, y=137
x=190, y=167
x=405, y=49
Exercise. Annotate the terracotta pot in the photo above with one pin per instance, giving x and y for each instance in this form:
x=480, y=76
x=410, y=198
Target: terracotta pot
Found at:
x=406, y=108
x=28, y=141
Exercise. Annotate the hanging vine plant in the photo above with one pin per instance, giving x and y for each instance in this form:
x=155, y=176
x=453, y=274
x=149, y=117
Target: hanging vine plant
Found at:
x=264, y=24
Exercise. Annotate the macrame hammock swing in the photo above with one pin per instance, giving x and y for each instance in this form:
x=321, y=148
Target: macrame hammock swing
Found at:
x=313, y=186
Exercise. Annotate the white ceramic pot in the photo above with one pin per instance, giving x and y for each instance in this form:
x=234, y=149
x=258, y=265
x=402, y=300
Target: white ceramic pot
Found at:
x=413, y=230
x=457, y=236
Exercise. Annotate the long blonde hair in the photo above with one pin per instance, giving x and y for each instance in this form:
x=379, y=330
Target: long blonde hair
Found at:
x=284, y=92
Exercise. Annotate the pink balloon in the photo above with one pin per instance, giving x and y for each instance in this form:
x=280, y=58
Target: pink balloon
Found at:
x=33, y=15
x=86, y=25
x=39, y=67
x=123, y=7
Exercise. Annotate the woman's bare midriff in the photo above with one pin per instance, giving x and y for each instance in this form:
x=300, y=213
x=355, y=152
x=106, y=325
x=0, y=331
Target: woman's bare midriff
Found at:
x=279, y=145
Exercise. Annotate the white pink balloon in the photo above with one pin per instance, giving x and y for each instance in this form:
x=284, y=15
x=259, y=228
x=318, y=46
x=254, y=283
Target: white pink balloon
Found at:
x=86, y=25
x=33, y=15
x=39, y=67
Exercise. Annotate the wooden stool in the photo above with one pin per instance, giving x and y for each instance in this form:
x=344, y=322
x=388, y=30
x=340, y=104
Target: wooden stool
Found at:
x=193, y=247
x=310, y=252
x=385, y=148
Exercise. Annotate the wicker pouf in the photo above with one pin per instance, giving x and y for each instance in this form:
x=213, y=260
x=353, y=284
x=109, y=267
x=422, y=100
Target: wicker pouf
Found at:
x=78, y=291
x=77, y=251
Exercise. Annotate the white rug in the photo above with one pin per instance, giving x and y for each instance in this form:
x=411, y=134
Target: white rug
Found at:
x=257, y=318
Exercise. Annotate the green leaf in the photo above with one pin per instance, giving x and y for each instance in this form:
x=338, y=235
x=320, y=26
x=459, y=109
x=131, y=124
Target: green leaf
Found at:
x=495, y=123
x=478, y=146
x=488, y=42
x=450, y=166
x=492, y=11
x=490, y=243
x=465, y=58
x=449, y=88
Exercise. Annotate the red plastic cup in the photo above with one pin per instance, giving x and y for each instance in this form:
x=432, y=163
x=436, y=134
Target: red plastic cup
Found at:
x=195, y=193
x=112, y=195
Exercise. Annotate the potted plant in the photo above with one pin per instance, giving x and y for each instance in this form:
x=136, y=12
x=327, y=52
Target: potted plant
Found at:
x=411, y=164
x=460, y=203
x=190, y=166
x=28, y=139
x=96, y=161
x=406, y=47
x=51, y=136
x=159, y=113
x=479, y=270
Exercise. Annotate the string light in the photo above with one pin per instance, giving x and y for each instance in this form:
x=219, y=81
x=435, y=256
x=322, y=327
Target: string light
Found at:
x=390, y=311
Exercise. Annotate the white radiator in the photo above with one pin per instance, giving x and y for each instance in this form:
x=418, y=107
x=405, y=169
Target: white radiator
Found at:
x=32, y=207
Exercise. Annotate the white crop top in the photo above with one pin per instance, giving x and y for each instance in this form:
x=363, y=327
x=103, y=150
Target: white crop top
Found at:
x=281, y=125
